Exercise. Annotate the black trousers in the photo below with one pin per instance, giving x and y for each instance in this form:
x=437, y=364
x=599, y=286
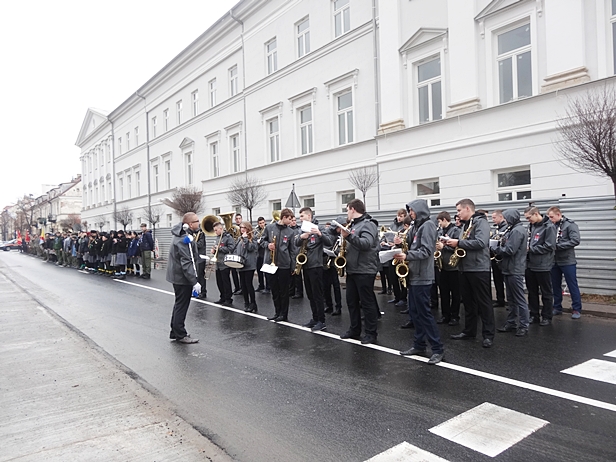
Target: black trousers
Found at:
x=297, y=284
x=399, y=291
x=434, y=289
x=263, y=283
x=313, y=279
x=330, y=279
x=535, y=281
x=223, y=281
x=499, y=282
x=280, y=282
x=450, y=294
x=248, y=289
x=201, y=276
x=361, y=299
x=476, y=291
x=384, y=279
x=180, y=308
x=236, y=280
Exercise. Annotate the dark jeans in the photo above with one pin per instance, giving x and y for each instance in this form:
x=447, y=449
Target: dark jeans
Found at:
x=313, y=279
x=330, y=278
x=180, y=308
x=476, y=291
x=499, y=282
x=569, y=271
x=223, y=281
x=360, y=290
x=280, y=282
x=535, y=281
x=450, y=294
x=517, y=302
x=201, y=276
x=425, y=326
x=400, y=292
x=248, y=289
x=236, y=280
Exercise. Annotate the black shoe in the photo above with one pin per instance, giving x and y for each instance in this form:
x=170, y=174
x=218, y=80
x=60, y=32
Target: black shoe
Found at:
x=507, y=328
x=310, y=324
x=413, y=352
x=461, y=336
x=145, y=276
x=443, y=320
x=393, y=300
x=545, y=322
x=404, y=311
x=246, y=308
x=390, y=291
x=271, y=318
x=534, y=320
x=266, y=291
x=219, y=302
x=367, y=339
x=329, y=309
x=296, y=296
x=318, y=326
x=260, y=289
x=454, y=322
x=521, y=332
x=349, y=334
x=227, y=303
x=436, y=358
x=253, y=308
x=498, y=304
x=280, y=318
x=408, y=325
x=337, y=312
x=401, y=303
x=202, y=296
x=383, y=292
x=487, y=343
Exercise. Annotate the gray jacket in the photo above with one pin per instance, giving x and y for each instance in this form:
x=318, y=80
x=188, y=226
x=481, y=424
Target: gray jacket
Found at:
x=453, y=232
x=362, y=245
x=422, y=244
x=512, y=247
x=182, y=254
x=541, y=245
x=477, y=245
x=226, y=247
x=567, y=238
x=247, y=248
x=314, y=246
x=284, y=244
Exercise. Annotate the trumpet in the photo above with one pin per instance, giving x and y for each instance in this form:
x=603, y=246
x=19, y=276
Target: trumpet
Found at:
x=273, y=253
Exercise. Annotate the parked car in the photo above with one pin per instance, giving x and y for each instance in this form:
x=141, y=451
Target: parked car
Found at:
x=8, y=245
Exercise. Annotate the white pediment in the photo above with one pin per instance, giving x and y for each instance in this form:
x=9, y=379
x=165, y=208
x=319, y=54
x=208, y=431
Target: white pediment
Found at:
x=495, y=6
x=423, y=35
x=186, y=143
x=92, y=121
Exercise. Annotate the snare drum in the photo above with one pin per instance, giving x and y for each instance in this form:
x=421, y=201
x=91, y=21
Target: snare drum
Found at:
x=234, y=261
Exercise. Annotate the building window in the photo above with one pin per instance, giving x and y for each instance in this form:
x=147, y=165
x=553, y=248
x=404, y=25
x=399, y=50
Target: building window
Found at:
x=137, y=184
x=216, y=211
x=168, y=173
x=342, y=17
x=273, y=134
x=233, y=81
x=129, y=186
x=103, y=198
x=121, y=188
x=613, y=22
x=155, y=175
x=169, y=220
x=513, y=185
x=95, y=199
x=272, y=56
x=119, y=148
x=102, y=158
x=136, y=136
x=195, y=103
x=212, y=86
x=429, y=94
x=309, y=202
x=429, y=190
x=303, y=37
x=189, y=168
x=127, y=141
x=345, y=118
x=166, y=120
x=276, y=205
x=178, y=110
x=514, y=64
x=305, y=129
x=108, y=152
x=153, y=127
x=109, y=191
x=235, y=153
x=345, y=198
x=215, y=160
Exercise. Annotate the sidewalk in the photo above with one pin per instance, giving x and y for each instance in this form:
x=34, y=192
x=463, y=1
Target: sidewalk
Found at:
x=62, y=399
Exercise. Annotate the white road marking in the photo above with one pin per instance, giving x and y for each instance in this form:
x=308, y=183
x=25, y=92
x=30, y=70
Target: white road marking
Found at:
x=611, y=354
x=454, y=367
x=405, y=452
x=489, y=429
x=595, y=369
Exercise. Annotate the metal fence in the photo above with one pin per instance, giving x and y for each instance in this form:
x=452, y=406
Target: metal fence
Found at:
x=596, y=217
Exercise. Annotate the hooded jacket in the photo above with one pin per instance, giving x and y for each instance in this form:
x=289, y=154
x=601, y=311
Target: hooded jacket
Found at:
x=247, y=248
x=567, y=238
x=422, y=244
x=397, y=225
x=314, y=246
x=362, y=245
x=182, y=254
x=541, y=245
x=453, y=232
x=225, y=247
x=477, y=245
x=146, y=242
x=284, y=244
x=512, y=247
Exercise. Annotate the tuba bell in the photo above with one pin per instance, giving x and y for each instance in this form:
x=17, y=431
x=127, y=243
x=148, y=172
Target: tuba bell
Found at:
x=275, y=216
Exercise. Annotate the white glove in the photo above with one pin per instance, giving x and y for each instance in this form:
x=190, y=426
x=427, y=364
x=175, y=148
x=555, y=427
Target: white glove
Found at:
x=197, y=288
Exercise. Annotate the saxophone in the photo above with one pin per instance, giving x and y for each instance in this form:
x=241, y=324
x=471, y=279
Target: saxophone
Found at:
x=402, y=268
x=460, y=253
x=438, y=260
x=301, y=258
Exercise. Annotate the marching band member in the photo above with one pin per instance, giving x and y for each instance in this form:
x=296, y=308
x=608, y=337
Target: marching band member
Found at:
x=362, y=237
x=237, y=287
x=539, y=262
x=567, y=238
x=400, y=292
x=330, y=273
x=247, y=248
x=263, y=282
x=296, y=289
x=499, y=283
x=449, y=283
x=225, y=246
x=512, y=250
x=476, y=290
x=312, y=245
x=282, y=248
x=420, y=255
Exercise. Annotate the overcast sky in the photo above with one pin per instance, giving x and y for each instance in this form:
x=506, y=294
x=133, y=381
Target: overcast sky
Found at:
x=61, y=57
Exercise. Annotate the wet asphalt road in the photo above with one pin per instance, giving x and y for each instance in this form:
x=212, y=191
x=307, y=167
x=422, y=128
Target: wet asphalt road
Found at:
x=268, y=392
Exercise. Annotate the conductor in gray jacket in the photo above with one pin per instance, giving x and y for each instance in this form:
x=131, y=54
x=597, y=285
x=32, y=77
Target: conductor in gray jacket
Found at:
x=511, y=250
x=182, y=273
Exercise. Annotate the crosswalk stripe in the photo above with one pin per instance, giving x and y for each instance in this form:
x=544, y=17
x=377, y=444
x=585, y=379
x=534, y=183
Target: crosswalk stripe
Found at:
x=611, y=354
x=595, y=369
x=405, y=452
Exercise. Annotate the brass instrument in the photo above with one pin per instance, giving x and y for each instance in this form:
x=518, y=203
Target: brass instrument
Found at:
x=340, y=261
x=273, y=253
x=212, y=263
x=460, y=253
x=301, y=258
x=402, y=268
x=275, y=216
x=334, y=249
x=438, y=260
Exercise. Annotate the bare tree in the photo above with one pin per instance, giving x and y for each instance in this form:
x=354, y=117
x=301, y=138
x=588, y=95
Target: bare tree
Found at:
x=123, y=216
x=72, y=222
x=588, y=134
x=153, y=214
x=99, y=221
x=364, y=179
x=25, y=208
x=247, y=192
x=5, y=222
x=184, y=200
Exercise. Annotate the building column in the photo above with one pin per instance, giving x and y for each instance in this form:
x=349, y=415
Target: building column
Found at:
x=564, y=42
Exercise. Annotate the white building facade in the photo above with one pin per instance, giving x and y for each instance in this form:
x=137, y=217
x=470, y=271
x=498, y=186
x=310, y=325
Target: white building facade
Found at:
x=445, y=98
